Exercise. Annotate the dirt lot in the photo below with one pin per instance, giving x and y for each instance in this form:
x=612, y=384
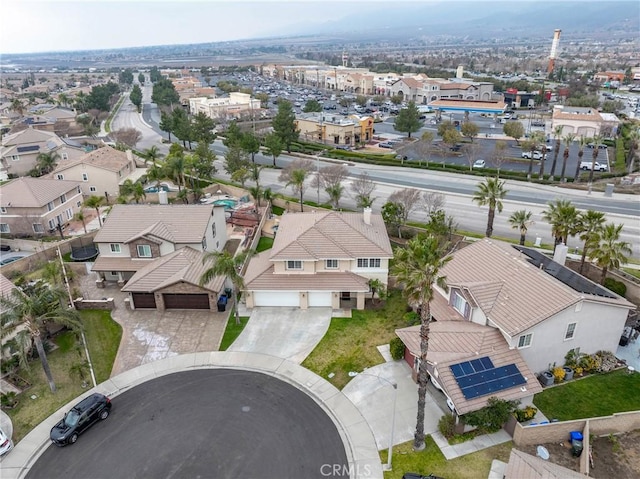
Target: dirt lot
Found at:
x=613, y=457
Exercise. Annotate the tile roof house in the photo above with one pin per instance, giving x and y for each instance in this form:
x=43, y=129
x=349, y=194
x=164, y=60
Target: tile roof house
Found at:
x=157, y=250
x=583, y=121
x=101, y=171
x=35, y=206
x=320, y=259
x=536, y=309
x=19, y=151
x=6, y=291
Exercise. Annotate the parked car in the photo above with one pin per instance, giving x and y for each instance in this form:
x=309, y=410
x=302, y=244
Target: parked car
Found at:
x=5, y=247
x=11, y=259
x=536, y=155
x=586, y=165
x=479, y=164
x=456, y=147
x=385, y=144
x=6, y=444
x=600, y=146
x=82, y=416
x=415, y=475
x=343, y=147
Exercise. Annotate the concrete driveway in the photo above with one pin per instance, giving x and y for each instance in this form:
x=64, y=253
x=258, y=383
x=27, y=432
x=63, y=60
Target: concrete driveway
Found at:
x=372, y=393
x=287, y=333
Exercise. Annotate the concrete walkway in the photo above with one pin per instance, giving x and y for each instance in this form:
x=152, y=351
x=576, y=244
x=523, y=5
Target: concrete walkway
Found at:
x=287, y=333
x=474, y=445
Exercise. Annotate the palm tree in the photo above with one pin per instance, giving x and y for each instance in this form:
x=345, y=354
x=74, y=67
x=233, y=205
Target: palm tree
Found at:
x=490, y=192
x=256, y=192
x=17, y=106
x=138, y=193
x=521, y=220
x=223, y=263
x=417, y=269
x=152, y=154
x=35, y=307
x=590, y=223
x=557, y=135
x=79, y=216
x=46, y=162
x=563, y=218
x=95, y=202
x=634, y=140
x=610, y=251
x=568, y=140
x=335, y=193
x=175, y=166
x=582, y=143
x=597, y=139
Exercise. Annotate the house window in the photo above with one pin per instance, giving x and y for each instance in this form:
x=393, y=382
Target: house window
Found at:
x=15, y=158
x=63, y=198
x=4, y=228
x=52, y=225
x=3, y=210
x=115, y=247
x=368, y=262
x=78, y=189
x=204, y=243
x=213, y=229
x=69, y=213
x=331, y=264
x=458, y=302
x=59, y=176
x=78, y=204
x=297, y=264
x=37, y=228
x=144, y=251
x=85, y=177
x=570, y=332
x=524, y=341
x=50, y=205
x=92, y=189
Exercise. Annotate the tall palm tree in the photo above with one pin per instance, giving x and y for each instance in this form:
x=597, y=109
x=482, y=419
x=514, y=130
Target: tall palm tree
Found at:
x=335, y=192
x=138, y=193
x=256, y=192
x=152, y=154
x=95, y=202
x=590, y=223
x=223, y=263
x=47, y=162
x=557, y=135
x=490, y=193
x=417, y=268
x=568, y=140
x=34, y=308
x=563, y=218
x=175, y=168
x=597, y=139
x=582, y=142
x=521, y=220
x=611, y=252
x=80, y=217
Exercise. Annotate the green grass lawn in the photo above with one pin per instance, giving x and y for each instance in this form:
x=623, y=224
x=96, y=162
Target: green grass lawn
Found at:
x=38, y=402
x=264, y=244
x=350, y=343
x=277, y=210
x=232, y=331
x=432, y=461
x=632, y=272
x=593, y=396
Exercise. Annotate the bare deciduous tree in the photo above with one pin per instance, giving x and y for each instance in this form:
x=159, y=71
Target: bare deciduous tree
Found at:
x=433, y=201
x=363, y=187
x=128, y=136
x=499, y=154
x=408, y=198
x=330, y=178
x=471, y=151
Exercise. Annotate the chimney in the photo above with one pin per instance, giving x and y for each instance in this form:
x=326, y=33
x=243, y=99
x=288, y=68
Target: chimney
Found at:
x=162, y=197
x=460, y=71
x=129, y=155
x=367, y=216
x=560, y=254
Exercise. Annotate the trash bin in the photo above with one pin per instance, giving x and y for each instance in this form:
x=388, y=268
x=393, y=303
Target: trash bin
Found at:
x=576, y=448
x=608, y=189
x=222, y=303
x=575, y=436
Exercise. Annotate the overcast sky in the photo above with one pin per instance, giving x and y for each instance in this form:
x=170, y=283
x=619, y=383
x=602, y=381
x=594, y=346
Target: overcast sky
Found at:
x=52, y=25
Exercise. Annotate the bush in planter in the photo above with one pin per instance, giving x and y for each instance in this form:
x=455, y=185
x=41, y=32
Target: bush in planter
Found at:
x=558, y=374
x=396, y=347
x=617, y=287
x=9, y=400
x=525, y=414
x=447, y=425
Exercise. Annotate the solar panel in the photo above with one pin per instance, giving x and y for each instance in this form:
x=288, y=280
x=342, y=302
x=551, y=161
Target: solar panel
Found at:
x=486, y=362
x=467, y=368
x=457, y=371
x=24, y=149
x=477, y=365
x=489, y=381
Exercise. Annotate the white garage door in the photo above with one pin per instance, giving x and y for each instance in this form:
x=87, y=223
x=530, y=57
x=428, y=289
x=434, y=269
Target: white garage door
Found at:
x=268, y=298
x=319, y=298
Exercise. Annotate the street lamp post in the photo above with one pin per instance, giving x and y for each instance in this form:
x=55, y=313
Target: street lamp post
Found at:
x=318, y=173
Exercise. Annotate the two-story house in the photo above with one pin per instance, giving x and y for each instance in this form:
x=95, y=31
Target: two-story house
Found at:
x=36, y=206
x=320, y=259
x=101, y=171
x=158, y=251
x=19, y=151
x=537, y=308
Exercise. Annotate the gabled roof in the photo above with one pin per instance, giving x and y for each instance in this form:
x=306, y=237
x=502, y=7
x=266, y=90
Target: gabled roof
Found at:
x=6, y=290
x=30, y=135
x=182, y=266
x=107, y=158
x=330, y=235
x=513, y=293
x=525, y=466
x=452, y=342
x=173, y=223
x=28, y=192
x=412, y=82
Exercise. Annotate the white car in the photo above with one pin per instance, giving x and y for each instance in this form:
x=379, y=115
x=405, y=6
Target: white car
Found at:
x=479, y=164
x=536, y=155
x=6, y=444
x=586, y=165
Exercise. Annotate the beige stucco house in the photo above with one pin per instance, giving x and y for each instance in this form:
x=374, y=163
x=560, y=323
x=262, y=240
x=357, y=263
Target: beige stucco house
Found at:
x=36, y=206
x=101, y=171
x=320, y=259
x=157, y=250
x=334, y=129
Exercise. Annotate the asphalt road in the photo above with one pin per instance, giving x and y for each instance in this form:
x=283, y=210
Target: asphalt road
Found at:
x=207, y=423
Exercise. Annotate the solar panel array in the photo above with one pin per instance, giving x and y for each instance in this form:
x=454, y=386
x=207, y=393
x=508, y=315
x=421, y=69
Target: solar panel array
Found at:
x=479, y=377
x=24, y=149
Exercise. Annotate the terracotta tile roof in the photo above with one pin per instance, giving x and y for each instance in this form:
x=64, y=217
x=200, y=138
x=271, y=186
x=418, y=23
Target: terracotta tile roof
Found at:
x=106, y=157
x=485, y=105
x=525, y=466
x=175, y=223
x=441, y=310
x=107, y=263
x=512, y=293
x=184, y=265
x=412, y=82
x=330, y=235
x=577, y=116
x=455, y=86
x=28, y=192
x=452, y=342
x=260, y=276
x=30, y=135
x=6, y=288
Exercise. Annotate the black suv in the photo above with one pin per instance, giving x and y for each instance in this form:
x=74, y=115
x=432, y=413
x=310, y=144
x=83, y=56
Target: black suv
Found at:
x=80, y=418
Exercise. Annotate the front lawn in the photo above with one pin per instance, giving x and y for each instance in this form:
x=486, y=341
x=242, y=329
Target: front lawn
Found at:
x=432, y=461
x=350, y=343
x=264, y=244
x=38, y=402
x=232, y=331
x=593, y=396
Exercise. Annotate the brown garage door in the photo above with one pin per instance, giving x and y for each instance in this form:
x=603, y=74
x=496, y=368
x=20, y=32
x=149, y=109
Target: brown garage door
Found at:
x=186, y=301
x=144, y=300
